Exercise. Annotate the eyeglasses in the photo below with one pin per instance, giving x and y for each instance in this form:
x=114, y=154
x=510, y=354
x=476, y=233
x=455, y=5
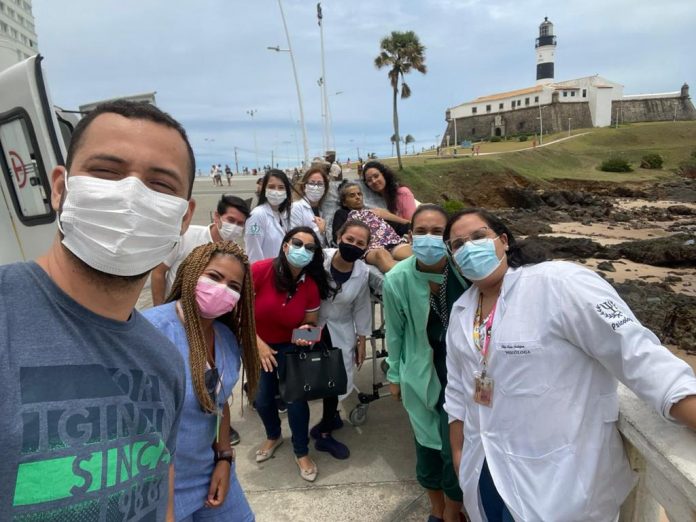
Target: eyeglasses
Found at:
x=315, y=184
x=297, y=243
x=477, y=237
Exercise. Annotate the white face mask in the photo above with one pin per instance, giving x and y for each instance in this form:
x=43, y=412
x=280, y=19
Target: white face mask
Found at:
x=314, y=193
x=276, y=197
x=119, y=227
x=231, y=231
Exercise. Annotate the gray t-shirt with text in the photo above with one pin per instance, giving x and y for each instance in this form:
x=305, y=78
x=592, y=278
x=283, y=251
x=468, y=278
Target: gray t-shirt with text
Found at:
x=89, y=407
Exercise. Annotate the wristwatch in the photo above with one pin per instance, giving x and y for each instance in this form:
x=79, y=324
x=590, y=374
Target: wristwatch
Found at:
x=228, y=455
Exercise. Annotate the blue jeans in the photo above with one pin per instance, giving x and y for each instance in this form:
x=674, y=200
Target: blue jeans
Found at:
x=493, y=505
x=298, y=412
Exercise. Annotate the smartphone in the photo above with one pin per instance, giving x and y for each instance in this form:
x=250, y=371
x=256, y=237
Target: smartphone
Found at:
x=311, y=334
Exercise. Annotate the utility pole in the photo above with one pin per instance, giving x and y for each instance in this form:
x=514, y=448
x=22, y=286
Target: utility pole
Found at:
x=322, y=83
x=236, y=161
x=569, y=126
x=251, y=113
x=297, y=83
x=272, y=159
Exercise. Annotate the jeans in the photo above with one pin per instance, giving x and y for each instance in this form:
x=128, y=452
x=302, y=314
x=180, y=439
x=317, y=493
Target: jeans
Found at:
x=265, y=404
x=493, y=505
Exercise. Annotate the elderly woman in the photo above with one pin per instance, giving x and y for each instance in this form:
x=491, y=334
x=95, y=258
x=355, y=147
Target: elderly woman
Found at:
x=534, y=355
x=386, y=245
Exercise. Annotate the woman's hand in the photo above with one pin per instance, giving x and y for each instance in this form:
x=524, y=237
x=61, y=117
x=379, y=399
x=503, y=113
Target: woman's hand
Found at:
x=219, y=484
x=360, y=352
x=267, y=355
x=395, y=391
x=304, y=342
x=321, y=224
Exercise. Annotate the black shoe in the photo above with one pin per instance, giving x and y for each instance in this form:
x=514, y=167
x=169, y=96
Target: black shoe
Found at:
x=337, y=449
x=336, y=424
x=234, y=436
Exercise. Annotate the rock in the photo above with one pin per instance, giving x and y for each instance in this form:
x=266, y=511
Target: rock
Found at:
x=672, y=251
x=567, y=247
x=606, y=266
x=672, y=279
x=681, y=210
x=670, y=315
x=521, y=197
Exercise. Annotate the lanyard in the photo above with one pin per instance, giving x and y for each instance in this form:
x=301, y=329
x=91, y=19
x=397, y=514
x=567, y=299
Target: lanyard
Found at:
x=483, y=347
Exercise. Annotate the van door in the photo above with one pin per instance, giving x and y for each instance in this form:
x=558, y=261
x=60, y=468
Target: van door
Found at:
x=31, y=145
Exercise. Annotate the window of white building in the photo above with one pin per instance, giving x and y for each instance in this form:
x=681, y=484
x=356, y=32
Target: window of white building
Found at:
x=488, y=108
x=473, y=110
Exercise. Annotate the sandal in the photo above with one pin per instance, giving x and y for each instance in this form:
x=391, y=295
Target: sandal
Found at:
x=264, y=455
x=310, y=475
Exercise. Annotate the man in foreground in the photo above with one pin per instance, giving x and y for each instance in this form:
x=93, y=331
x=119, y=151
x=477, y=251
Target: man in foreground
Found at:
x=91, y=392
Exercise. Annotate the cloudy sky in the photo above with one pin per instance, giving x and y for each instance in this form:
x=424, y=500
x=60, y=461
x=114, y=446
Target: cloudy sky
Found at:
x=208, y=62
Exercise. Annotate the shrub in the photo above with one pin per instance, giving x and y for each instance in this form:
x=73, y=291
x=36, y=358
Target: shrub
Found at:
x=452, y=206
x=693, y=154
x=688, y=169
x=651, y=161
x=523, y=137
x=615, y=165
x=495, y=139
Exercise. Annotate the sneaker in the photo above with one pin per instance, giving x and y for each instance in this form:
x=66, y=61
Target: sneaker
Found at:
x=336, y=424
x=337, y=449
x=234, y=437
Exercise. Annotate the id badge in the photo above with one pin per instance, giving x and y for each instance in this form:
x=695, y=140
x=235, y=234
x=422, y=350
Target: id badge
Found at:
x=483, y=389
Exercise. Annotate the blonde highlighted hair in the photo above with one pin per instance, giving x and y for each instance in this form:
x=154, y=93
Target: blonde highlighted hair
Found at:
x=240, y=320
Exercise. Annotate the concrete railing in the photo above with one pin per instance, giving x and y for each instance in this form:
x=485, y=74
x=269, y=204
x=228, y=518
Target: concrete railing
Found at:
x=664, y=456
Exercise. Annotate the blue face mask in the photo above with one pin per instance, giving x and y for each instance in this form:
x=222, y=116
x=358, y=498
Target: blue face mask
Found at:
x=477, y=259
x=299, y=257
x=428, y=248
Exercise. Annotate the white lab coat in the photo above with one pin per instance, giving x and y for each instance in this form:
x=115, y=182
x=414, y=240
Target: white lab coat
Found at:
x=264, y=232
x=302, y=215
x=348, y=314
x=561, y=338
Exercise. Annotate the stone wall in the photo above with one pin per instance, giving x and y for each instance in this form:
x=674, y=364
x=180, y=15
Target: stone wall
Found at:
x=653, y=109
x=518, y=121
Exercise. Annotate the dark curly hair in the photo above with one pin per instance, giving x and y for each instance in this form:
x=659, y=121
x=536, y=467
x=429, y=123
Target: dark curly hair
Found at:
x=390, y=183
x=517, y=254
x=282, y=273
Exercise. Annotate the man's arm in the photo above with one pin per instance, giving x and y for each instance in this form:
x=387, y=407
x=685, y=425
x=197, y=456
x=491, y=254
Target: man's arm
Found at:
x=158, y=283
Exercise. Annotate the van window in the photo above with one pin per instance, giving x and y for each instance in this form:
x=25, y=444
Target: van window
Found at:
x=23, y=170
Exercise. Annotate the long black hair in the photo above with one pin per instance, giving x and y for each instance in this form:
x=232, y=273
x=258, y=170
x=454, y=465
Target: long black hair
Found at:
x=282, y=274
x=428, y=207
x=517, y=255
x=390, y=183
x=285, y=205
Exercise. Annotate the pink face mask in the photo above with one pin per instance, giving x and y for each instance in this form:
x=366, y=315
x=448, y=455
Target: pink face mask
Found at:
x=214, y=299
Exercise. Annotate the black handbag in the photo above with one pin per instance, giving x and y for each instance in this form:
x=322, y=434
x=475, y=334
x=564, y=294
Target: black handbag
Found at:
x=312, y=374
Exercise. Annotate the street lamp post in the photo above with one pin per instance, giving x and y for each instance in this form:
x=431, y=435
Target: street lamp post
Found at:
x=251, y=113
x=541, y=127
x=569, y=126
x=297, y=82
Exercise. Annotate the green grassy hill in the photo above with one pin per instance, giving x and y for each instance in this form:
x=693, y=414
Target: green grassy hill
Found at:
x=437, y=179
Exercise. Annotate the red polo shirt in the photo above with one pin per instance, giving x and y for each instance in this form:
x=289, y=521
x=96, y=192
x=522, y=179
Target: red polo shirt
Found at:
x=276, y=315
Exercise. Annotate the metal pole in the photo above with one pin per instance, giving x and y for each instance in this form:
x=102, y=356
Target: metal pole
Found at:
x=297, y=85
x=541, y=127
x=253, y=125
x=569, y=126
x=236, y=161
x=455, y=132
x=324, y=95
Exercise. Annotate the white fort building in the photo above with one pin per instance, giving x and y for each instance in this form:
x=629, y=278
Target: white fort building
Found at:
x=551, y=106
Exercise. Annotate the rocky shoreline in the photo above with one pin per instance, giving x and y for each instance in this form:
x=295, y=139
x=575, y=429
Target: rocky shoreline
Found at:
x=640, y=238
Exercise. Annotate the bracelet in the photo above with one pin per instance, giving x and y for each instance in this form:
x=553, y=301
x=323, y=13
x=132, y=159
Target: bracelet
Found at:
x=227, y=455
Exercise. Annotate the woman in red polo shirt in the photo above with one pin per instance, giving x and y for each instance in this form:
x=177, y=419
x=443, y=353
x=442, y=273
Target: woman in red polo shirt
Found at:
x=288, y=290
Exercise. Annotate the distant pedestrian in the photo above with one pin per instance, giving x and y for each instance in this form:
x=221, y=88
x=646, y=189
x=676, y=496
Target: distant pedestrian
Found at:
x=228, y=174
x=478, y=149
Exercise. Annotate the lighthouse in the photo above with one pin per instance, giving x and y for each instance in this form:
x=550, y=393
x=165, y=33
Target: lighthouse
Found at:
x=545, y=50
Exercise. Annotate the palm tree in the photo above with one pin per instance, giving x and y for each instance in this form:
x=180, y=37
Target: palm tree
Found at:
x=401, y=52
x=410, y=139
x=393, y=142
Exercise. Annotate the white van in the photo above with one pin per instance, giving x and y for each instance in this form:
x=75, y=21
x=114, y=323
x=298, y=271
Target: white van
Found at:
x=33, y=138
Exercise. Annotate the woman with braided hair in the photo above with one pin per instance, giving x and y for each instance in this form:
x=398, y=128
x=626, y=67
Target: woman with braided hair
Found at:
x=209, y=316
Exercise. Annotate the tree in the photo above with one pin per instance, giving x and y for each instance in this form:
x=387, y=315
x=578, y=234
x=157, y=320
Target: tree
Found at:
x=393, y=142
x=401, y=52
x=410, y=139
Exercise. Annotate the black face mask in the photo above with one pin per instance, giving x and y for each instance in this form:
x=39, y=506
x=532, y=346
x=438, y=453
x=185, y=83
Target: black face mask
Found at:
x=350, y=253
